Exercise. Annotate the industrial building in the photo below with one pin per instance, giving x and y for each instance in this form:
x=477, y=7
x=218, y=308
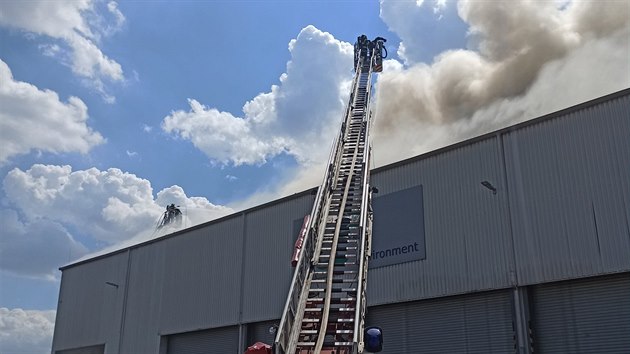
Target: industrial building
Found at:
x=516, y=241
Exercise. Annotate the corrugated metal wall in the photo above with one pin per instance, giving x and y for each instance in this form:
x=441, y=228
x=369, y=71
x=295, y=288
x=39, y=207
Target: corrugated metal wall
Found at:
x=564, y=211
x=467, y=233
x=569, y=181
x=582, y=316
x=144, y=298
x=269, y=246
x=472, y=323
x=561, y=210
x=219, y=340
x=185, y=283
x=91, y=304
x=202, y=278
x=96, y=349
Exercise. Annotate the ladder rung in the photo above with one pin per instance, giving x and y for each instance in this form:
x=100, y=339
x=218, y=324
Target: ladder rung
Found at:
x=337, y=272
x=337, y=331
x=347, y=290
x=334, y=280
x=339, y=344
x=336, y=299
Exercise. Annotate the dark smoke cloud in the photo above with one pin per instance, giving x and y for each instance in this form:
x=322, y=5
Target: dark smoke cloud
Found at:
x=525, y=59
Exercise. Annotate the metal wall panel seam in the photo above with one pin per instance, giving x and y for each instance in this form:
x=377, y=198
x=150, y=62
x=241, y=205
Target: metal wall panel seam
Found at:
x=514, y=276
x=162, y=287
x=58, y=313
x=241, y=335
x=124, y=309
x=621, y=131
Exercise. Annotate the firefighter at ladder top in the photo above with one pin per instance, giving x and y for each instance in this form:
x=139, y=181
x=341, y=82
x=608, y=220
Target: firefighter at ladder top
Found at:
x=172, y=214
x=364, y=47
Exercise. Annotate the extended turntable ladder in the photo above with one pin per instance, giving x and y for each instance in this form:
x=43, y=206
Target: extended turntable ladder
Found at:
x=325, y=309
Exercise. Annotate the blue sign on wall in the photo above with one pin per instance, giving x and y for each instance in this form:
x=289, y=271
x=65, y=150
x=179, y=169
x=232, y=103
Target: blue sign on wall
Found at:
x=398, y=229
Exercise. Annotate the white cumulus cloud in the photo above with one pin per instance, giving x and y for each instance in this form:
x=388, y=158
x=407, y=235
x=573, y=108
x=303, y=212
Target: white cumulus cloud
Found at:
x=35, y=248
x=80, y=25
x=113, y=207
x=297, y=117
x=222, y=136
x=34, y=119
x=195, y=210
x=110, y=205
x=26, y=331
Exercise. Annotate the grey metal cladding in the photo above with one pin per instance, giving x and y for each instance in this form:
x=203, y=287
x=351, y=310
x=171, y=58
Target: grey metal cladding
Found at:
x=561, y=210
x=589, y=315
x=221, y=340
x=90, y=294
x=467, y=231
x=470, y=323
x=94, y=349
x=201, y=283
x=267, y=262
x=392, y=319
x=144, y=298
x=570, y=193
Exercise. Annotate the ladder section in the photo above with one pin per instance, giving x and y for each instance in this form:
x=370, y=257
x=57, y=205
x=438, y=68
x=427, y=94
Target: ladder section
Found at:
x=325, y=308
x=329, y=321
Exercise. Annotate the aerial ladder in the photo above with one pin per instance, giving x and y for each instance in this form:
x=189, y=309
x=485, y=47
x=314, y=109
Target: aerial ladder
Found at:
x=326, y=305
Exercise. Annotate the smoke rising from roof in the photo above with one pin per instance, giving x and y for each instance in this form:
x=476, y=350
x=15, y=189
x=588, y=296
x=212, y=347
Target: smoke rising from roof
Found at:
x=525, y=59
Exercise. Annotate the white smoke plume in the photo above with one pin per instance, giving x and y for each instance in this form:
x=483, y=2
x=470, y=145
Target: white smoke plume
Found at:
x=526, y=59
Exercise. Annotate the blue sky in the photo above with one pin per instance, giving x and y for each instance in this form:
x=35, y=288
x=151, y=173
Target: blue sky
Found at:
x=110, y=111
